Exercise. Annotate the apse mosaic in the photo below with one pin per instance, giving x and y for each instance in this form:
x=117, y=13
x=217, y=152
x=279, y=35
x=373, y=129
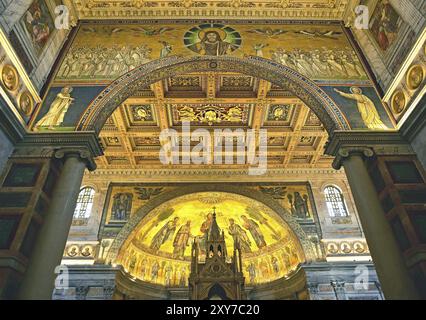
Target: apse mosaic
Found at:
x=159, y=248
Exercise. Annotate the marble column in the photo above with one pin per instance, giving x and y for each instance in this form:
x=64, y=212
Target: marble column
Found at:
x=388, y=260
x=39, y=279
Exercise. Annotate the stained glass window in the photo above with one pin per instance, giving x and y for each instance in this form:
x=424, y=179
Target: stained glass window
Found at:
x=335, y=202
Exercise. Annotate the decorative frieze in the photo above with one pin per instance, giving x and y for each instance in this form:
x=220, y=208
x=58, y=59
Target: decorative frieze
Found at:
x=172, y=9
x=81, y=250
x=341, y=247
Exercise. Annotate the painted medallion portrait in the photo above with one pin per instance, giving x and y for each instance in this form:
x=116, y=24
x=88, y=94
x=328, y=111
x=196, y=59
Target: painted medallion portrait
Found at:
x=212, y=39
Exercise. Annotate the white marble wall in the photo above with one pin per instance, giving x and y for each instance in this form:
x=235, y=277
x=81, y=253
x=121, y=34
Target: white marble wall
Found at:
x=11, y=13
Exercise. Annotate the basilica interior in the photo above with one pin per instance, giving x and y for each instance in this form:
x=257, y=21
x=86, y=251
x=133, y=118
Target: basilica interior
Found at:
x=213, y=149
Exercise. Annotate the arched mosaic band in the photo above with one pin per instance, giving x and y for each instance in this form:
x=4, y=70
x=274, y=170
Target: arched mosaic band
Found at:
x=131, y=226
x=119, y=90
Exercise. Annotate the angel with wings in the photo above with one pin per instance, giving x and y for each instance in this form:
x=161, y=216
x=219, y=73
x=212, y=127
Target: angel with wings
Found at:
x=269, y=32
x=320, y=34
x=152, y=31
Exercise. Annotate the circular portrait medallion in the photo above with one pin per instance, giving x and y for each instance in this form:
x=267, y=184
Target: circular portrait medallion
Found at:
x=398, y=102
x=415, y=77
x=26, y=103
x=212, y=39
x=9, y=77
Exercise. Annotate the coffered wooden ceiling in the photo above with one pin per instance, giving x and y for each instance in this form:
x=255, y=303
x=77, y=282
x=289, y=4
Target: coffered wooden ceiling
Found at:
x=130, y=137
x=211, y=9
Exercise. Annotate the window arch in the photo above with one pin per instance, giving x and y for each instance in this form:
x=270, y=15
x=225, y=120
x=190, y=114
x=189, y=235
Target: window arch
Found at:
x=335, y=202
x=84, y=205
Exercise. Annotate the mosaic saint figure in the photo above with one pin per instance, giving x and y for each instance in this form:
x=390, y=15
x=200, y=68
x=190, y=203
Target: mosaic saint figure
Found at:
x=275, y=265
x=299, y=206
x=255, y=231
x=132, y=263
x=252, y=272
x=144, y=269
x=168, y=274
x=58, y=109
x=182, y=279
x=366, y=107
x=239, y=235
x=154, y=271
x=164, y=234
x=122, y=206
x=181, y=240
x=205, y=226
x=286, y=259
x=294, y=259
x=263, y=265
x=166, y=50
x=258, y=48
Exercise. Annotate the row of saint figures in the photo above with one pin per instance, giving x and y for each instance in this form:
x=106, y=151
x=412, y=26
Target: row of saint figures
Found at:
x=211, y=245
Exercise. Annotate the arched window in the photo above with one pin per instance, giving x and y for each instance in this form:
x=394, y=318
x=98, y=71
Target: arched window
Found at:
x=84, y=203
x=335, y=202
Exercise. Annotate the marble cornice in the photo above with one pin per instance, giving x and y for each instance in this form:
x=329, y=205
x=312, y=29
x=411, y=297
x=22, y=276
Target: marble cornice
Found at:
x=213, y=9
x=88, y=140
x=59, y=145
x=207, y=172
x=376, y=140
x=367, y=144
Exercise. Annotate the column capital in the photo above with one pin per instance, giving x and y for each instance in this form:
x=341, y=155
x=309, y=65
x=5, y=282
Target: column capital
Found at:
x=82, y=154
x=346, y=152
x=85, y=145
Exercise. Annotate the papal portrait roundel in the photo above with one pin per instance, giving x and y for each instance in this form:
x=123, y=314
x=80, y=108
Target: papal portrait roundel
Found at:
x=212, y=39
